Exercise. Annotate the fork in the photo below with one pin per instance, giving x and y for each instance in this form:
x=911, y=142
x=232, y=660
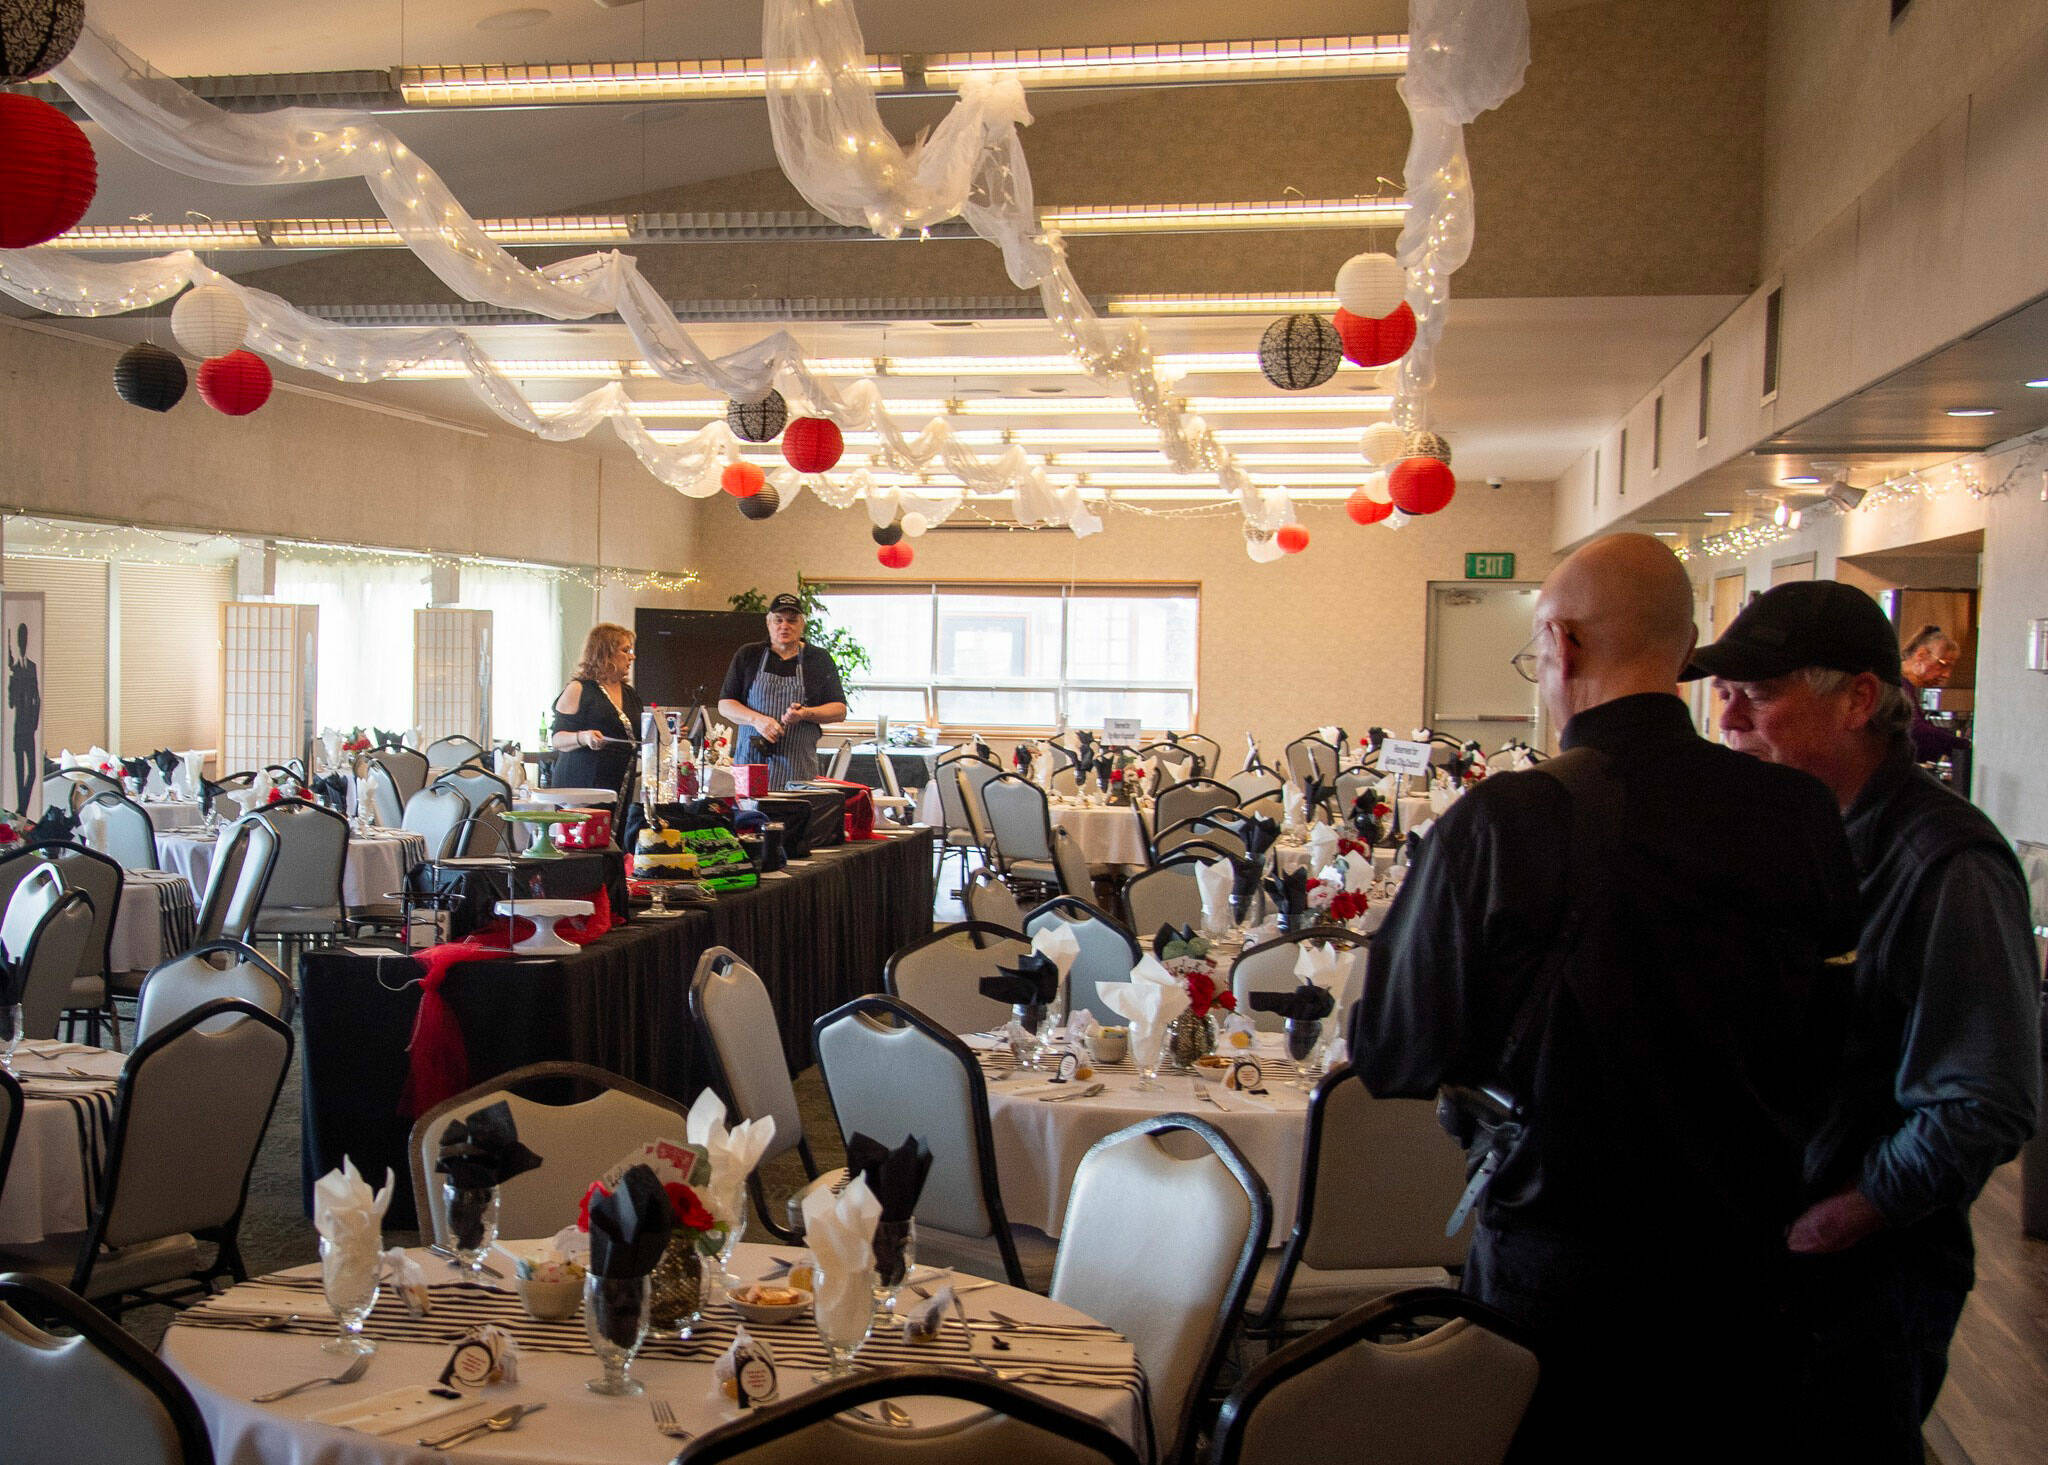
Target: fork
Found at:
x=665, y=1420
x=347, y=1376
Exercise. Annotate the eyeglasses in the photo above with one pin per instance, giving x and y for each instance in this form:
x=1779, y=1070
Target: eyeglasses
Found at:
x=1525, y=661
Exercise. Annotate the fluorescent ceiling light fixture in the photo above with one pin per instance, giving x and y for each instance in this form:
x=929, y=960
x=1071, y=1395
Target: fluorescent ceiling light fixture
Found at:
x=600, y=81
x=209, y=235
x=1167, y=305
x=333, y=233
x=1182, y=61
x=1799, y=478
x=1717, y=513
x=1050, y=364
x=1973, y=411
x=1360, y=404
x=1665, y=533
x=2039, y=384
x=1169, y=218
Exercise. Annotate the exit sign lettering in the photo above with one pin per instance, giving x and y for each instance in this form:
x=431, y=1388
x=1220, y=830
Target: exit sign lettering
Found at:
x=1489, y=566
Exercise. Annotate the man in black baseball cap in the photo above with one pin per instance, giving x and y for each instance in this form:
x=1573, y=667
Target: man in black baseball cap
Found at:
x=779, y=693
x=1941, y=1084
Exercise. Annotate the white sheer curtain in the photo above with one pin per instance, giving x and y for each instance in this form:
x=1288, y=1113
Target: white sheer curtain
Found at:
x=526, y=643
x=366, y=634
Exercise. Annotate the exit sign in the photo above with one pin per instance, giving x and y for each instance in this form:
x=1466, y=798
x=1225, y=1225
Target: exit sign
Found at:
x=1489, y=567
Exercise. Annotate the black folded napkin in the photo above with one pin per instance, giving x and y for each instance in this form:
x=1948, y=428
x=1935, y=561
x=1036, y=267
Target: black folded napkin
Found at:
x=1104, y=766
x=51, y=766
x=385, y=739
x=1087, y=742
x=1259, y=833
x=1313, y=791
x=56, y=825
x=1306, y=1003
x=1290, y=893
x=208, y=792
x=331, y=789
x=484, y=1149
x=1374, y=736
x=1167, y=935
x=1363, y=819
x=630, y=1226
x=983, y=751
x=1172, y=738
x=166, y=762
x=1032, y=982
x=1020, y=758
x=135, y=768
x=13, y=981
x=895, y=1176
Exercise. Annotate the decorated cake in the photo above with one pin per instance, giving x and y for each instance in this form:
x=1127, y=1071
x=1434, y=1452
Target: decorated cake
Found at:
x=659, y=854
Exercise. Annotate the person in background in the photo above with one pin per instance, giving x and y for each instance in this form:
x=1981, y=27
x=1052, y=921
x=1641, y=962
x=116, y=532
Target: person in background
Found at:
x=25, y=696
x=778, y=694
x=1928, y=660
x=1686, y=1051
x=1943, y=1078
x=597, y=718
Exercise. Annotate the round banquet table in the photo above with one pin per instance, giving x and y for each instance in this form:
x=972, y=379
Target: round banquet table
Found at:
x=1108, y=834
x=173, y=813
x=153, y=922
x=377, y=864
x=1039, y=1145
x=64, y=1130
x=224, y=1364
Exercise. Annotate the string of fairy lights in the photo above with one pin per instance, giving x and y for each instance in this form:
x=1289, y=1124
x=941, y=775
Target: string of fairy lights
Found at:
x=48, y=538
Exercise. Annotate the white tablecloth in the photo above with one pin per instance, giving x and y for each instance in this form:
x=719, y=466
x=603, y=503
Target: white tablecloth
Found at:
x=376, y=866
x=1040, y=1145
x=1107, y=834
x=45, y=1194
x=154, y=922
x=173, y=813
x=224, y=1367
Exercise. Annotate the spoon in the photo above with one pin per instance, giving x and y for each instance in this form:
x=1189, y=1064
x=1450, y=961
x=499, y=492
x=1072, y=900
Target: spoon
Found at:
x=1088, y=1093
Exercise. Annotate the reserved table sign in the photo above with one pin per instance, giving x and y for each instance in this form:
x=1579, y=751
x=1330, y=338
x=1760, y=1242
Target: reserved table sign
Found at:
x=1411, y=759
x=1120, y=730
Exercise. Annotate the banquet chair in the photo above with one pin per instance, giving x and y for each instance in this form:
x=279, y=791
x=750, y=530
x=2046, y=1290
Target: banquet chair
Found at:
x=890, y=1072
x=1271, y=805
x=241, y=871
x=101, y=879
x=972, y=774
x=219, y=969
x=959, y=832
x=189, y=1116
x=46, y=933
x=940, y=974
x=1076, y=878
x=842, y=758
x=409, y=768
x=1253, y=782
x=1008, y=1424
x=1269, y=967
x=1020, y=831
x=118, y=828
x=1454, y=1395
x=444, y=754
x=1183, y=761
x=1162, y=1248
x=84, y=1389
x=1206, y=749
x=16, y=866
x=1107, y=954
x=1166, y=894
x=476, y=785
x=304, y=896
x=68, y=788
x=1378, y=1177
x=1192, y=797
x=387, y=800
x=732, y=1009
x=12, y=1101
x=1204, y=827
x=435, y=814
x=485, y=832
x=1065, y=781
x=989, y=902
x=1351, y=783
x=577, y=1142
x=1311, y=757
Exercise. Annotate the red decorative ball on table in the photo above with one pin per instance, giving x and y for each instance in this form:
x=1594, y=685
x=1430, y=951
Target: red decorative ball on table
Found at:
x=1365, y=510
x=742, y=480
x=1292, y=538
x=812, y=444
x=1420, y=485
x=236, y=384
x=1374, y=341
x=896, y=556
x=47, y=172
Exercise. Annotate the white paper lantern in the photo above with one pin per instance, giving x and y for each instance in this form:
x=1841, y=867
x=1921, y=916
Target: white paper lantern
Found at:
x=1260, y=546
x=1395, y=520
x=1375, y=488
x=915, y=524
x=1371, y=284
x=209, y=321
x=1383, y=443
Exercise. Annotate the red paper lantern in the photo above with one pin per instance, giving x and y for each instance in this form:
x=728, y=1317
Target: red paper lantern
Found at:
x=1365, y=510
x=1370, y=341
x=742, y=480
x=236, y=384
x=812, y=444
x=896, y=556
x=47, y=172
x=1420, y=485
x=1292, y=538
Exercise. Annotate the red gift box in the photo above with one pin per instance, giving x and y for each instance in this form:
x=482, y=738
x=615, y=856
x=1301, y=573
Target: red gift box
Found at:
x=593, y=833
x=749, y=780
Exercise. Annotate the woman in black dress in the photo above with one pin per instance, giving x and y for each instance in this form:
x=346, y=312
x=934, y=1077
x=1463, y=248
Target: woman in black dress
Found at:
x=598, y=704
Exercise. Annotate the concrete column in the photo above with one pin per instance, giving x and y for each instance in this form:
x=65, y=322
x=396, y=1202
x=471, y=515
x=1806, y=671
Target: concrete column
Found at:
x=255, y=569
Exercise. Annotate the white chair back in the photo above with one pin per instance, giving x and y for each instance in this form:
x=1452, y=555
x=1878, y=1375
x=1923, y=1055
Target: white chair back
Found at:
x=100, y=878
x=1107, y=954
x=451, y=752
x=26, y=907
x=435, y=814
x=1177, y=1304
x=217, y=970
x=244, y=900
x=988, y=899
x=1165, y=895
x=941, y=975
x=1386, y=1175
x=118, y=828
x=1311, y=757
x=312, y=850
x=974, y=775
x=733, y=1008
x=576, y=1143
x=1018, y=818
x=57, y=950
x=1185, y=800
x=842, y=758
x=885, y=768
x=387, y=797
x=1270, y=968
x=409, y=769
x=1071, y=865
x=1254, y=781
x=486, y=831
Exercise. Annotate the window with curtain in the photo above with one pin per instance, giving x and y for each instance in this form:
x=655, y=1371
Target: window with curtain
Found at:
x=366, y=633
x=1022, y=656
x=526, y=637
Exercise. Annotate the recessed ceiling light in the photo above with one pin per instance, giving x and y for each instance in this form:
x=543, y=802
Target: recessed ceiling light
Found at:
x=1717, y=513
x=524, y=18
x=2039, y=383
x=1973, y=411
x=1045, y=391
x=1665, y=533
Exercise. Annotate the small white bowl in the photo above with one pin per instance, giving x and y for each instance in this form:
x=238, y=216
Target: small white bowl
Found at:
x=1212, y=1072
x=769, y=1312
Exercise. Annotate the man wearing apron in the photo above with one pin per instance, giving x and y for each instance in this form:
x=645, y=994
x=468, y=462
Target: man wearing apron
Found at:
x=778, y=693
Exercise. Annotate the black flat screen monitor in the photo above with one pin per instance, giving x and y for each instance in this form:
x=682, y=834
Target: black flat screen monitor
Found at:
x=681, y=655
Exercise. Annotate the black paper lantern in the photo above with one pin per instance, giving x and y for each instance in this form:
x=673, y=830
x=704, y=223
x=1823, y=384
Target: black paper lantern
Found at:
x=37, y=34
x=1299, y=351
x=757, y=422
x=149, y=376
x=1428, y=445
x=761, y=505
x=887, y=533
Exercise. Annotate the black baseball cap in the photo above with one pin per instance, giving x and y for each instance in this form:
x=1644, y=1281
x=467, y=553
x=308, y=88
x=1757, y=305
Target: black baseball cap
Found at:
x=1806, y=623
x=785, y=604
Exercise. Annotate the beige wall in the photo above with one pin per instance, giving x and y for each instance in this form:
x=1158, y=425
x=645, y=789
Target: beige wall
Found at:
x=1333, y=634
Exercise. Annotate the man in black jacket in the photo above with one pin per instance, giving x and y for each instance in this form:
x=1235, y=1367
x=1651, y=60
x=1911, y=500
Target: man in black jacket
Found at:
x=1682, y=1061
x=1943, y=1079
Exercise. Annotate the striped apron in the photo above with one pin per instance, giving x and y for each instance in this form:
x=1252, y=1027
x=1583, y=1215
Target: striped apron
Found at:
x=793, y=757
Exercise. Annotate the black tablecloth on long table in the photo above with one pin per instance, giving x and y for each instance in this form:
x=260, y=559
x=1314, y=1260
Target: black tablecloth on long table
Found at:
x=818, y=934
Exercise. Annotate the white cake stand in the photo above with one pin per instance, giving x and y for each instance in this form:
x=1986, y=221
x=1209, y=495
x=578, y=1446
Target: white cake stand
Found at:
x=544, y=914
